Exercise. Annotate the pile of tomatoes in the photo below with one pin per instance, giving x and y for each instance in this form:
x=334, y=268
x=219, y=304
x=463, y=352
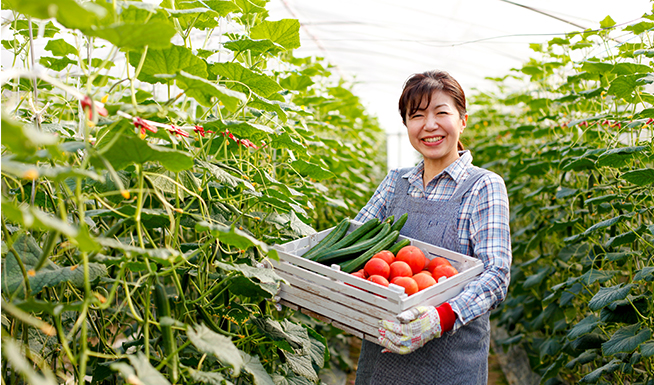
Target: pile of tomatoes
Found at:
x=409, y=269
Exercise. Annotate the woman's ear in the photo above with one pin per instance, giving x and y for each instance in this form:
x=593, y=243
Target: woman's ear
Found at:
x=464, y=123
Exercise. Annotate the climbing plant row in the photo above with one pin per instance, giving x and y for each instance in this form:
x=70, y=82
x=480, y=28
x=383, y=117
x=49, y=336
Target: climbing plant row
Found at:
x=575, y=148
x=151, y=155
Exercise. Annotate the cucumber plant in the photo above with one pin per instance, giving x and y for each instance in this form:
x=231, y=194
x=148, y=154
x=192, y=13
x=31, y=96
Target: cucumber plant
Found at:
x=574, y=145
x=151, y=155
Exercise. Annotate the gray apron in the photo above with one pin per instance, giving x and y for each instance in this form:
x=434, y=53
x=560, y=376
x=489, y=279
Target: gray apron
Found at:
x=455, y=358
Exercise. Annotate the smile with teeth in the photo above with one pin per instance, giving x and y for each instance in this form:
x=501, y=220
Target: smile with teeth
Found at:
x=433, y=139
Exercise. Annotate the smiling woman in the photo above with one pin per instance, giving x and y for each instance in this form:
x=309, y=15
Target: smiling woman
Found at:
x=450, y=204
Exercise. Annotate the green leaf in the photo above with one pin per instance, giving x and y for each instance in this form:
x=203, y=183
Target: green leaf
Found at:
x=626, y=340
x=213, y=343
x=646, y=274
x=68, y=13
x=231, y=236
x=641, y=177
x=211, y=378
x=59, y=47
x=223, y=176
x=639, y=28
x=628, y=237
x=626, y=87
x=284, y=140
x=55, y=173
x=252, y=365
x=258, y=83
x=564, y=192
x=584, y=326
x=145, y=371
x=22, y=27
x=49, y=276
x=168, y=61
x=631, y=68
x=223, y=7
x=272, y=106
x=56, y=64
x=311, y=170
x=32, y=217
x=607, y=295
x=256, y=47
x=647, y=349
x=134, y=36
x=203, y=90
x=606, y=223
x=536, y=279
x=129, y=149
x=285, y=32
x=299, y=227
x=296, y=82
x=24, y=140
x=600, y=276
x=263, y=275
x=583, y=358
x=618, y=157
x=243, y=130
x=607, y=22
x=595, y=375
x=294, y=334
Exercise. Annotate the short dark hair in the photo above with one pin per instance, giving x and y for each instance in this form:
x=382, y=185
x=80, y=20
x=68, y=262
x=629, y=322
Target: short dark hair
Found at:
x=421, y=86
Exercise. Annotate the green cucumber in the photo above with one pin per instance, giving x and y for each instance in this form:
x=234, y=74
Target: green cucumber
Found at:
x=399, y=245
x=358, y=247
x=361, y=260
x=168, y=338
x=350, y=238
x=389, y=220
x=372, y=232
x=331, y=238
x=398, y=224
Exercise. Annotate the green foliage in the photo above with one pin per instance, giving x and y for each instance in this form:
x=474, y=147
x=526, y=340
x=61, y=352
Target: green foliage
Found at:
x=144, y=180
x=574, y=146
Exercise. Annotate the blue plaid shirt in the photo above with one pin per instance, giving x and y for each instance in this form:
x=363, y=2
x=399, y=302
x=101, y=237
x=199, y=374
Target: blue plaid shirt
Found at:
x=483, y=228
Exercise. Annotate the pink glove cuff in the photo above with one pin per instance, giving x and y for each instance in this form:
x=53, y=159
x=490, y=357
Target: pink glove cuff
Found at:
x=447, y=316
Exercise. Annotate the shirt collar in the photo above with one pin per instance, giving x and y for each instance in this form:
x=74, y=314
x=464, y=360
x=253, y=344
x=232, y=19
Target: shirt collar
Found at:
x=456, y=170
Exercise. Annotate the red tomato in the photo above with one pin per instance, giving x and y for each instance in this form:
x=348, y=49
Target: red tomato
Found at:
x=377, y=266
x=413, y=256
x=378, y=279
x=409, y=284
x=443, y=271
x=438, y=261
x=386, y=256
x=424, y=280
x=400, y=269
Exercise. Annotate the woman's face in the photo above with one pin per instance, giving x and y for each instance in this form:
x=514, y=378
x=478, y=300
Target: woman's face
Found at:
x=434, y=130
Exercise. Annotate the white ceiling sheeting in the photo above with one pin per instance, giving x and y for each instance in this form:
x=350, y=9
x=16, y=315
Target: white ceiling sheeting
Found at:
x=379, y=43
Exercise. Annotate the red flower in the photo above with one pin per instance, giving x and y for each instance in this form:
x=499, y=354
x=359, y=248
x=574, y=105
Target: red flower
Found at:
x=200, y=130
x=87, y=105
x=178, y=131
x=247, y=143
x=143, y=125
x=230, y=135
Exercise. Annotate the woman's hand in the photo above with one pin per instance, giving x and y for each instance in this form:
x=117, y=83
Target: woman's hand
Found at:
x=417, y=326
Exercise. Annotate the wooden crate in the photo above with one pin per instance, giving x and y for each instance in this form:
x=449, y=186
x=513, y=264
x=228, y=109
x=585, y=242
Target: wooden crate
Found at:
x=352, y=304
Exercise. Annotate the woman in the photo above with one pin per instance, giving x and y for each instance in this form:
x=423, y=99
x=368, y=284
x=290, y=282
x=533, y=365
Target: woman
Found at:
x=451, y=204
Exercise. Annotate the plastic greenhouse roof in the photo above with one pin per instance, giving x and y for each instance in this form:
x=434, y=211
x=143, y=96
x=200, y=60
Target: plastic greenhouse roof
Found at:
x=377, y=44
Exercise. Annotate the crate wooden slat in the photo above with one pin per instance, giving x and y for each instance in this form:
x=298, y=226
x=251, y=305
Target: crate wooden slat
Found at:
x=352, y=304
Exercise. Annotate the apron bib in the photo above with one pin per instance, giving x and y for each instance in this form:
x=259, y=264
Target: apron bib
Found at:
x=454, y=358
